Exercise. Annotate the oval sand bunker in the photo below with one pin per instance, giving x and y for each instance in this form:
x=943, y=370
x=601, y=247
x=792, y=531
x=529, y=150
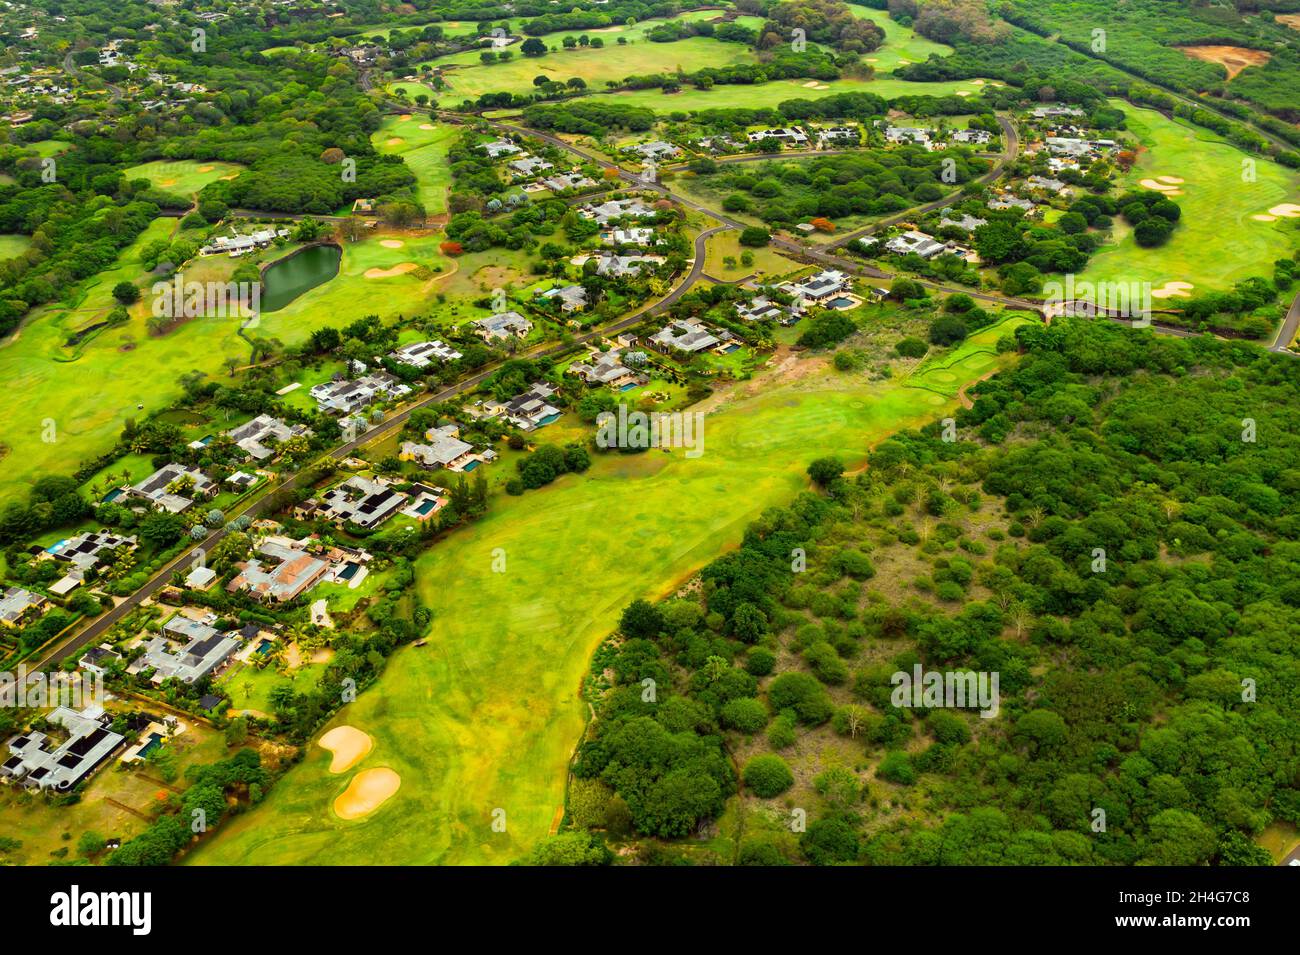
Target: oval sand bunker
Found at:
x=392, y=243
x=369, y=790
x=396, y=270
x=348, y=745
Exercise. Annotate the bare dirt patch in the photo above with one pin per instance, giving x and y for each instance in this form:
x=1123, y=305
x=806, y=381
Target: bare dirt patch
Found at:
x=1291, y=20
x=1234, y=59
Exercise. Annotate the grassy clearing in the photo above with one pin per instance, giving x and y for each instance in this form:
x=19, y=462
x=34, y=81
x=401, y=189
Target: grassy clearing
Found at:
x=425, y=151
x=768, y=263
x=1217, y=242
x=14, y=245
x=486, y=715
x=183, y=176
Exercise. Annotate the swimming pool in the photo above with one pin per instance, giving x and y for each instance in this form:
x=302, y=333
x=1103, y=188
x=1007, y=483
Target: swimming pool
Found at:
x=264, y=647
x=350, y=570
x=470, y=466
x=155, y=742
x=548, y=419
x=424, y=507
x=839, y=302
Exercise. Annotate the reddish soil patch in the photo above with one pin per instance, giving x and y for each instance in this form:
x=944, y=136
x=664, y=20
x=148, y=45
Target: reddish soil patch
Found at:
x=1234, y=59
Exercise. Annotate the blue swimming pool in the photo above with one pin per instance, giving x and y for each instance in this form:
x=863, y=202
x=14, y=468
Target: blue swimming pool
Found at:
x=424, y=507
x=840, y=302
x=264, y=647
x=155, y=742
x=548, y=419
x=349, y=570
x=471, y=466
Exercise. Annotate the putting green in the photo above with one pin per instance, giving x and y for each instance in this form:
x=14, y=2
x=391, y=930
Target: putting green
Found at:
x=480, y=722
x=1218, y=241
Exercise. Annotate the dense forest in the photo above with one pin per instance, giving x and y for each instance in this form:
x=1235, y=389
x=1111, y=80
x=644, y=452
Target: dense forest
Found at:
x=1112, y=532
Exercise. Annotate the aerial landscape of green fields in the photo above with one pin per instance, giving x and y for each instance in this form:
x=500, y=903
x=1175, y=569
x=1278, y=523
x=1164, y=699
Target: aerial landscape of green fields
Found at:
x=771, y=433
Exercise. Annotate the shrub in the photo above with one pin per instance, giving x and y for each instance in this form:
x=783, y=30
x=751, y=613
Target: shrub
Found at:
x=768, y=775
x=746, y=714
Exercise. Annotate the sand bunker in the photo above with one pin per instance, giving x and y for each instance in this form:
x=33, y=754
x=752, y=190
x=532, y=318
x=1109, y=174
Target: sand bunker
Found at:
x=390, y=273
x=428, y=126
x=1172, y=288
x=205, y=169
x=811, y=84
x=392, y=243
x=1264, y=217
x=405, y=116
x=1287, y=210
x=1234, y=59
x=348, y=745
x=1289, y=19
x=1157, y=185
x=369, y=790
x=963, y=92
x=1174, y=180
x=395, y=141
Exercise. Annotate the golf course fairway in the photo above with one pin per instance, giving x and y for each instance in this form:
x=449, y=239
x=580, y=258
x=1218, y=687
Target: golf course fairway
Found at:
x=479, y=723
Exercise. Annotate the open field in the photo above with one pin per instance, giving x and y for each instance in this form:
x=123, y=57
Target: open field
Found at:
x=425, y=151
x=1218, y=241
x=768, y=263
x=485, y=716
x=183, y=176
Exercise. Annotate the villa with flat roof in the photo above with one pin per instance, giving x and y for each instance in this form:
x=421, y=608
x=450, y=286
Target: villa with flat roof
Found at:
x=37, y=761
x=254, y=437
x=174, y=488
x=203, y=651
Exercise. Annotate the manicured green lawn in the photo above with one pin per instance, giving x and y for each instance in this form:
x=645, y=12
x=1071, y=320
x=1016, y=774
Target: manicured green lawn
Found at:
x=471, y=79
x=1216, y=242
x=485, y=716
x=424, y=150
x=183, y=176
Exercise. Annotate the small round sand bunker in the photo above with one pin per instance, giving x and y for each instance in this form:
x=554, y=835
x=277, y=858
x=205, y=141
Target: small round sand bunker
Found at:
x=395, y=271
x=392, y=243
x=369, y=790
x=395, y=141
x=1264, y=217
x=348, y=745
x=427, y=126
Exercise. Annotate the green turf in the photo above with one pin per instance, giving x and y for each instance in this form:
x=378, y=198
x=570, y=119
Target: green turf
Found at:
x=1216, y=242
x=471, y=79
x=182, y=176
x=902, y=44
x=425, y=152
x=485, y=716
